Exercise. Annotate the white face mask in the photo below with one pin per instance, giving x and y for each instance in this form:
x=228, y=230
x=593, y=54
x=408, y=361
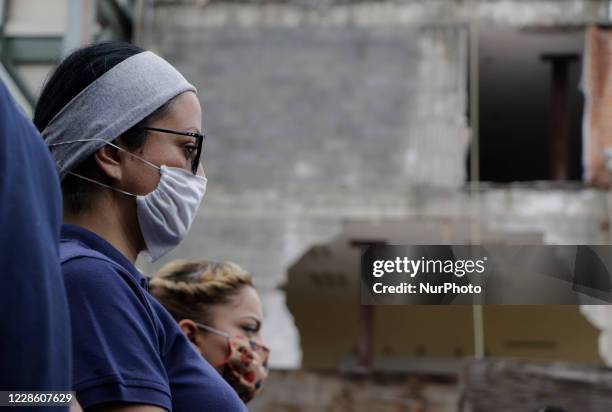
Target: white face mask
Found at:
x=165, y=215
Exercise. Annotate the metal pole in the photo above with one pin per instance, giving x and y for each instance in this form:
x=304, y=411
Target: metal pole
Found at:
x=16, y=91
x=365, y=344
x=74, y=25
x=477, y=313
x=5, y=76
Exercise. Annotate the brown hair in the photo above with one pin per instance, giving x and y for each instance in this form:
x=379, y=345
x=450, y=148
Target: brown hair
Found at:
x=187, y=289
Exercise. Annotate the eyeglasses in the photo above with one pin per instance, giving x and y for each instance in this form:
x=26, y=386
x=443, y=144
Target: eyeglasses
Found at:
x=199, y=141
x=256, y=346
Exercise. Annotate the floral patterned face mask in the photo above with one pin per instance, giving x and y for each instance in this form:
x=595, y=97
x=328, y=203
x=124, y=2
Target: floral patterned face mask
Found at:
x=246, y=366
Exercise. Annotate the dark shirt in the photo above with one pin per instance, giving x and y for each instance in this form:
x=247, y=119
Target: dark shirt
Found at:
x=126, y=346
x=34, y=321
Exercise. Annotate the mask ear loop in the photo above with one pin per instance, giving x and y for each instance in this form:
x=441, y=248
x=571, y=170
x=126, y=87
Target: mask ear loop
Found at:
x=102, y=184
x=213, y=330
x=116, y=147
x=251, y=341
x=108, y=143
x=220, y=333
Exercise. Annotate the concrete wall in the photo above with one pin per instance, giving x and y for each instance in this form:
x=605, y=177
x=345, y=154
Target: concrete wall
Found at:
x=317, y=112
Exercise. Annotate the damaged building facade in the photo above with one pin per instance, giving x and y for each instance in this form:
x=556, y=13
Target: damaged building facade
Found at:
x=334, y=124
x=323, y=113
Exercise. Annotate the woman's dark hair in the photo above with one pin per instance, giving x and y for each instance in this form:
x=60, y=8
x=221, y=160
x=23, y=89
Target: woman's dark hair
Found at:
x=73, y=75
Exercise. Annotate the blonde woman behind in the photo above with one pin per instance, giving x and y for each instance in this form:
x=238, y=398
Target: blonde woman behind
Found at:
x=218, y=309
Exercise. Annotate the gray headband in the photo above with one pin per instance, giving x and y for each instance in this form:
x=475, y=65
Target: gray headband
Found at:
x=110, y=106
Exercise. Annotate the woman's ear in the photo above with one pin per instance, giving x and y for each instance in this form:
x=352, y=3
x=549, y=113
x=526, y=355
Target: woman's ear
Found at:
x=189, y=329
x=109, y=161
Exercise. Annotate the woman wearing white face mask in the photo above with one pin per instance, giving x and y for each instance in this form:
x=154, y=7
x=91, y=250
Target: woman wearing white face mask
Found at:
x=124, y=128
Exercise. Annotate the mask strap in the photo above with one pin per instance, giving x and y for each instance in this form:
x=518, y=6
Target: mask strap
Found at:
x=102, y=184
x=213, y=330
x=227, y=335
x=220, y=333
x=108, y=143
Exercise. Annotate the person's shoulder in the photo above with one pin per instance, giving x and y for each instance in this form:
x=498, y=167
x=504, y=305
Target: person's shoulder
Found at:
x=77, y=259
x=93, y=280
x=90, y=270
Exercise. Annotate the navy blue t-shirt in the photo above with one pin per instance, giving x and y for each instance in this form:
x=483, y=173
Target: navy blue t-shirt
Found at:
x=34, y=321
x=126, y=346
